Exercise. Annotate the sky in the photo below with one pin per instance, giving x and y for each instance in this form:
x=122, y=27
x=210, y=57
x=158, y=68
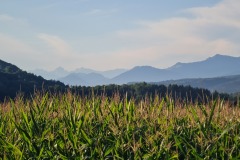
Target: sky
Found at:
x=110, y=34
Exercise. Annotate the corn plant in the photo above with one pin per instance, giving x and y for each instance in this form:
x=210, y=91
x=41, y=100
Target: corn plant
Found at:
x=68, y=126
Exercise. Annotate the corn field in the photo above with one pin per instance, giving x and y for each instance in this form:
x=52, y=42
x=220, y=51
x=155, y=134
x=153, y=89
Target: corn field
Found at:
x=67, y=126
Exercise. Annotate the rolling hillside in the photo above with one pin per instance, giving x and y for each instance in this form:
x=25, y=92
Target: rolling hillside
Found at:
x=226, y=84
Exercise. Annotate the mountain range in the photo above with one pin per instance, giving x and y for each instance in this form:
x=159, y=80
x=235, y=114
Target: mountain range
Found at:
x=220, y=73
x=216, y=66
x=225, y=84
x=60, y=72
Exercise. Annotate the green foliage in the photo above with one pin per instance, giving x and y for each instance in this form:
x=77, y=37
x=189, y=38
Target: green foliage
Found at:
x=68, y=126
x=139, y=91
x=8, y=68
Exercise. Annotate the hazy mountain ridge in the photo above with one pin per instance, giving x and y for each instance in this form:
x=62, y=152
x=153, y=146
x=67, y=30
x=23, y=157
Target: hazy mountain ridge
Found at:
x=85, y=79
x=142, y=74
x=212, y=67
x=227, y=84
x=55, y=74
x=60, y=73
x=216, y=66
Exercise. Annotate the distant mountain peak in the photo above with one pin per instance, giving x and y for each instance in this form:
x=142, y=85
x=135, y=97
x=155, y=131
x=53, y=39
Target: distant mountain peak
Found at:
x=177, y=65
x=59, y=69
x=84, y=70
x=146, y=67
x=217, y=56
x=217, y=65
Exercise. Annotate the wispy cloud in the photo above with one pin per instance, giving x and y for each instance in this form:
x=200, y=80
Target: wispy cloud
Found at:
x=58, y=45
x=55, y=4
x=5, y=17
x=196, y=33
x=13, y=21
x=208, y=30
x=225, y=13
x=100, y=12
x=9, y=44
x=18, y=52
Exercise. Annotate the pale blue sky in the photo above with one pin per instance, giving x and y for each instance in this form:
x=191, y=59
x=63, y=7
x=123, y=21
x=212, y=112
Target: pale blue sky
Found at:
x=108, y=34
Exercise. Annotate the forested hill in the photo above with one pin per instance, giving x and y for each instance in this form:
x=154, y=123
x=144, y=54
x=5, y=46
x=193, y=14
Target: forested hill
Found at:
x=8, y=67
x=13, y=80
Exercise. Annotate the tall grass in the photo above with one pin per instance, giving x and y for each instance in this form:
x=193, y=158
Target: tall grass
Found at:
x=72, y=127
